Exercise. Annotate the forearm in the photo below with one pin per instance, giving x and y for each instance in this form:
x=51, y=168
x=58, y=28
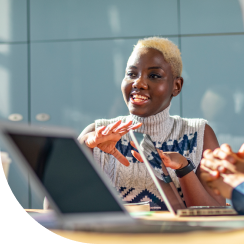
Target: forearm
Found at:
x=195, y=194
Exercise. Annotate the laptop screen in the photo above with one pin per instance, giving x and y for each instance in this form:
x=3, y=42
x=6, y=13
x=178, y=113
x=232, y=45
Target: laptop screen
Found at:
x=66, y=173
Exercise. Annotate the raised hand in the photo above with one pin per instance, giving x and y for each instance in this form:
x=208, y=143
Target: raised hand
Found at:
x=105, y=138
x=173, y=160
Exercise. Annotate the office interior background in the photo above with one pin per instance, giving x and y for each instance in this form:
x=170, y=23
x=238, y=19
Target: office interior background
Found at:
x=62, y=62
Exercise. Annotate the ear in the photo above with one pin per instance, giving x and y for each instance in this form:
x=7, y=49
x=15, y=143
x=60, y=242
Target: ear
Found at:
x=177, y=86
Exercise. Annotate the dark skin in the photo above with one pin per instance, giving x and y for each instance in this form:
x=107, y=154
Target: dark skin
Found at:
x=148, y=87
x=148, y=74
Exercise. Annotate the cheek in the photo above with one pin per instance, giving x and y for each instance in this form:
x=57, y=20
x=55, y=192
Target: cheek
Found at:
x=125, y=88
x=162, y=91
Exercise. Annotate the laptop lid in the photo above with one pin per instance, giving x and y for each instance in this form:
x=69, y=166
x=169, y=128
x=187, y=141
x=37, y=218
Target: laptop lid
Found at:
x=65, y=172
x=163, y=182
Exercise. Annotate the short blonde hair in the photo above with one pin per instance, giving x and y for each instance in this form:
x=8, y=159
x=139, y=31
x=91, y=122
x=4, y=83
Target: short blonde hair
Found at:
x=169, y=50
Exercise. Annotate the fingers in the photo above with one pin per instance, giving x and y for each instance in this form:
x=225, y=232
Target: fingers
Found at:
x=165, y=158
x=100, y=130
x=109, y=129
x=133, y=144
x=224, y=155
x=208, y=154
x=209, y=175
x=230, y=168
x=120, y=157
x=210, y=162
x=241, y=152
x=226, y=148
x=131, y=127
x=135, y=126
x=123, y=126
x=117, y=127
x=233, y=179
x=137, y=156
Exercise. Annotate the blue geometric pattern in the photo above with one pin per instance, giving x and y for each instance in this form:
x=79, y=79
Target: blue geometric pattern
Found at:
x=156, y=202
x=127, y=193
x=184, y=145
x=126, y=150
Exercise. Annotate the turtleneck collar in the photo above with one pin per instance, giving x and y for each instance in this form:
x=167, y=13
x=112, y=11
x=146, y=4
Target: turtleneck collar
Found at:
x=158, y=126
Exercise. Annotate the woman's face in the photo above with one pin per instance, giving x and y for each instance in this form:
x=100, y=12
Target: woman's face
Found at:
x=148, y=83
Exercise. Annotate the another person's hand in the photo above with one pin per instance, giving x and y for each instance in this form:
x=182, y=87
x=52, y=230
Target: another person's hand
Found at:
x=225, y=155
x=222, y=175
x=105, y=138
x=217, y=184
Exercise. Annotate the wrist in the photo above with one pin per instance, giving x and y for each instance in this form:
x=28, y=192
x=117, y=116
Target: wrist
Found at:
x=186, y=169
x=184, y=163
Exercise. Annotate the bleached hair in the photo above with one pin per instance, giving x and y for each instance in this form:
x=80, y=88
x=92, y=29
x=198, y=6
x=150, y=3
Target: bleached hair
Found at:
x=169, y=50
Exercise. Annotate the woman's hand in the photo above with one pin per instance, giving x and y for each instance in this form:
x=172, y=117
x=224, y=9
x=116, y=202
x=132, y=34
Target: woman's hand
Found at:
x=173, y=160
x=105, y=138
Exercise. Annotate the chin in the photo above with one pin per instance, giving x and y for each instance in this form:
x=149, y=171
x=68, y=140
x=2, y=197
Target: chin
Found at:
x=138, y=113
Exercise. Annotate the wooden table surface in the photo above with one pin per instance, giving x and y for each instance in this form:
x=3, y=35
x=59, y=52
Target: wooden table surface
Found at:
x=196, y=237
x=230, y=237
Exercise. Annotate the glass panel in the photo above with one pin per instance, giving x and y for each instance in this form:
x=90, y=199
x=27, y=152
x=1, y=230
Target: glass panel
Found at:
x=79, y=82
x=214, y=87
x=208, y=16
x=13, y=81
x=65, y=19
x=13, y=20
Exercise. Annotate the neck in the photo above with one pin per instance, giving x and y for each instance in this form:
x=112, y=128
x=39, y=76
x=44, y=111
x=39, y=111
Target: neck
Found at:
x=157, y=126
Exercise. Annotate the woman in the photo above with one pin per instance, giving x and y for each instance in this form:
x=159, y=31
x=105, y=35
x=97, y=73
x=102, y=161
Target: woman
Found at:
x=152, y=79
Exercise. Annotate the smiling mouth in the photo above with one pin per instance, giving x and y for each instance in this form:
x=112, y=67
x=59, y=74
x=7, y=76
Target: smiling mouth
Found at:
x=136, y=98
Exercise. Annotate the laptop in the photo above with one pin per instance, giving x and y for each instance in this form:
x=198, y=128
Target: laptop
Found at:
x=166, y=186
x=80, y=194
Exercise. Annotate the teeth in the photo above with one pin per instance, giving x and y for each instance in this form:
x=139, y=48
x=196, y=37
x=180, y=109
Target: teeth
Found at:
x=140, y=97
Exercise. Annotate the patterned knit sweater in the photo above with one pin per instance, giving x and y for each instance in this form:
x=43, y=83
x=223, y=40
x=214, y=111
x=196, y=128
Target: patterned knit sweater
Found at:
x=169, y=133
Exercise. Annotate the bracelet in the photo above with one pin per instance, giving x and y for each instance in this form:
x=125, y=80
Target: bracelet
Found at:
x=185, y=170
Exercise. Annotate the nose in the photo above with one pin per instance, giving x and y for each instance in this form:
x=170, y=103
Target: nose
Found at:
x=140, y=83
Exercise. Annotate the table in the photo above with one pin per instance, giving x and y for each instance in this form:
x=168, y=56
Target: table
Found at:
x=201, y=237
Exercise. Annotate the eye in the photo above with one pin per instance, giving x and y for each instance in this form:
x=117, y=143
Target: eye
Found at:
x=155, y=76
x=131, y=74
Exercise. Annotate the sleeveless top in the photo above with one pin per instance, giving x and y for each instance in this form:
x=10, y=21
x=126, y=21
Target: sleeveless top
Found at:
x=169, y=133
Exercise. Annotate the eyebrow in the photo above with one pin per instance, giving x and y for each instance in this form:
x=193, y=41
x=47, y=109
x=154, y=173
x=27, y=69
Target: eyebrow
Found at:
x=132, y=67
x=155, y=67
